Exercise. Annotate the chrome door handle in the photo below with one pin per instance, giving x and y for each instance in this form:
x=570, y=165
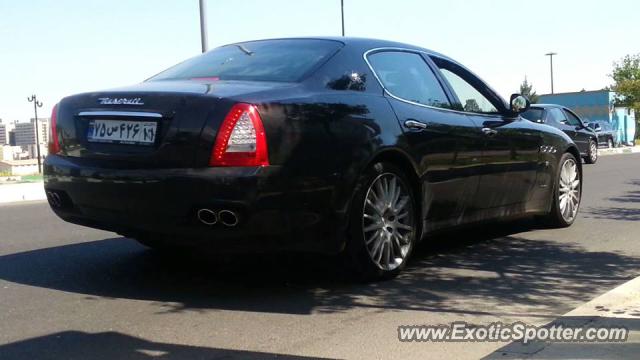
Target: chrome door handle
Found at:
x=415, y=125
x=489, y=132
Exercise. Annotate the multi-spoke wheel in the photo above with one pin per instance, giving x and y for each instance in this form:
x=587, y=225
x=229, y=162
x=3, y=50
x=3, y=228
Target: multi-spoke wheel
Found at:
x=592, y=155
x=387, y=221
x=568, y=192
x=383, y=222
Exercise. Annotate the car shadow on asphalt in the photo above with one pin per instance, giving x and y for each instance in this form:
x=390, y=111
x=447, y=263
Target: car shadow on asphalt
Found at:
x=115, y=345
x=487, y=270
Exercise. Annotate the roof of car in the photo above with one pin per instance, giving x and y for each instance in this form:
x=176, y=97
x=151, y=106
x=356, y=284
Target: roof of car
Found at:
x=367, y=44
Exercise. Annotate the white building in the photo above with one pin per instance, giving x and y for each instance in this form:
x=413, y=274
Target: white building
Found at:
x=4, y=135
x=19, y=167
x=5, y=128
x=13, y=153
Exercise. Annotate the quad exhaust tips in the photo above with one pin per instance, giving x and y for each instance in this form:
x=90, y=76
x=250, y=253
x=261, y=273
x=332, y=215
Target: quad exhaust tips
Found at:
x=225, y=217
x=228, y=218
x=207, y=217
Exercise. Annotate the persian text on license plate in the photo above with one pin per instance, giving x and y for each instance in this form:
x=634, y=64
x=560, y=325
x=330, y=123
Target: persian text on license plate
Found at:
x=122, y=132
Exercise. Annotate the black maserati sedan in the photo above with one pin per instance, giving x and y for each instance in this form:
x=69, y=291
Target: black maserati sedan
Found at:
x=346, y=146
x=571, y=124
x=607, y=136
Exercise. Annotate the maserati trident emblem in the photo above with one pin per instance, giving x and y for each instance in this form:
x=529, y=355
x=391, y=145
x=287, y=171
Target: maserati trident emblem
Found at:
x=120, y=101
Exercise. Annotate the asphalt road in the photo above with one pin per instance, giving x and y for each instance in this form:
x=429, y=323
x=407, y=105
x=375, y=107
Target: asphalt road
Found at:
x=73, y=292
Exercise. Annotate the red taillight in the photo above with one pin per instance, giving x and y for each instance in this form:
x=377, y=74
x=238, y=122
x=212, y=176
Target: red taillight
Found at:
x=54, y=143
x=241, y=140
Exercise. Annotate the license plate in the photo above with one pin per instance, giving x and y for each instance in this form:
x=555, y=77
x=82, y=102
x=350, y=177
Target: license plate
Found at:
x=122, y=132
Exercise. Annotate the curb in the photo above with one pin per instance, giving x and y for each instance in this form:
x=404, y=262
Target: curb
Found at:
x=621, y=150
x=22, y=192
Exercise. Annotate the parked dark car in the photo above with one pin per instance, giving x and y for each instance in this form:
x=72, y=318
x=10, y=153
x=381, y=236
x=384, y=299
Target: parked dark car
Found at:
x=345, y=146
x=606, y=134
x=570, y=123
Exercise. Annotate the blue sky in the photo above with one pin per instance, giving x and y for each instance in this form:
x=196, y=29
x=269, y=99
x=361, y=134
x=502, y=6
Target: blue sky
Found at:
x=58, y=48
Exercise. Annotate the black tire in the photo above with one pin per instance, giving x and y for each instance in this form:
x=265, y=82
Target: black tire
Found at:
x=358, y=254
x=610, y=143
x=555, y=217
x=592, y=152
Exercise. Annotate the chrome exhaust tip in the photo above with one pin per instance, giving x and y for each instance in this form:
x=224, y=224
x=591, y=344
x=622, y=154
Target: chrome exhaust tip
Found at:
x=228, y=218
x=207, y=217
x=54, y=199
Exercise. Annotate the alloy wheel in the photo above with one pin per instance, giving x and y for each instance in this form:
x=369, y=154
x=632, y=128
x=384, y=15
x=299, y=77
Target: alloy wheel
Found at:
x=388, y=221
x=569, y=194
x=593, y=151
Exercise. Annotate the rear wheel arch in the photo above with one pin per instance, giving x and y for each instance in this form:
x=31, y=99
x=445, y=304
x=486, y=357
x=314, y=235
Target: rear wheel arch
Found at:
x=403, y=161
x=576, y=153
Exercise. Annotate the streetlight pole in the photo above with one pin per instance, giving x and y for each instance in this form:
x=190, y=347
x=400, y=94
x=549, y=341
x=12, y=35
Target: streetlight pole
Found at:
x=203, y=27
x=36, y=105
x=550, y=55
x=342, y=13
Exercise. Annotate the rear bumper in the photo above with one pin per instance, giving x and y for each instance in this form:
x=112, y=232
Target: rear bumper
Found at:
x=165, y=202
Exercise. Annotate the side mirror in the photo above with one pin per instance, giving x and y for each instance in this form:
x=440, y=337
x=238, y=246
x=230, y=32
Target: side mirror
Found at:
x=598, y=127
x=519, y=103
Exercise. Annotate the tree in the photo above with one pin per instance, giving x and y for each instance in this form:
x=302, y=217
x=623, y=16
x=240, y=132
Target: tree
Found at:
x=626, y=77
x=472, y=106
x=526, y=89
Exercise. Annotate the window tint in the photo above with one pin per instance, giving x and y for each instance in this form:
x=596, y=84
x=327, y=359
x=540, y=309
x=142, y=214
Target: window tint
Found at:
x=556, y=115
x=533, y=114
x=572, y=119
x=471, y=99
x=272, y=60
x=407, y=76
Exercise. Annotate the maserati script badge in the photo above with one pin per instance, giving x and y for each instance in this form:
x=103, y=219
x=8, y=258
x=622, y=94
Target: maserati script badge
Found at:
x=120, y=101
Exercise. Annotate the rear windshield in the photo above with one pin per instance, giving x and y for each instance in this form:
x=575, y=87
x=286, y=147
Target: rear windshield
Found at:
x=270, y=60
x=533, y=114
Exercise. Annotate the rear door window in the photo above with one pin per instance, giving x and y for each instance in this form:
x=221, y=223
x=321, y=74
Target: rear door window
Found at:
x=471, y=99
x=407, y=76
x=556, y=116
x=572, y=119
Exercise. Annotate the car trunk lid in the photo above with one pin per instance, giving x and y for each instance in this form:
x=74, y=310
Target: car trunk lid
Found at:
x=152, y=124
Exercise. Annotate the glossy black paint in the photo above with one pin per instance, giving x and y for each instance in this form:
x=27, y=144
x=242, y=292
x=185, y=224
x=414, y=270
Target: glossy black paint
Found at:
x=574, y=126
x=322, y=133
x=606, y=134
